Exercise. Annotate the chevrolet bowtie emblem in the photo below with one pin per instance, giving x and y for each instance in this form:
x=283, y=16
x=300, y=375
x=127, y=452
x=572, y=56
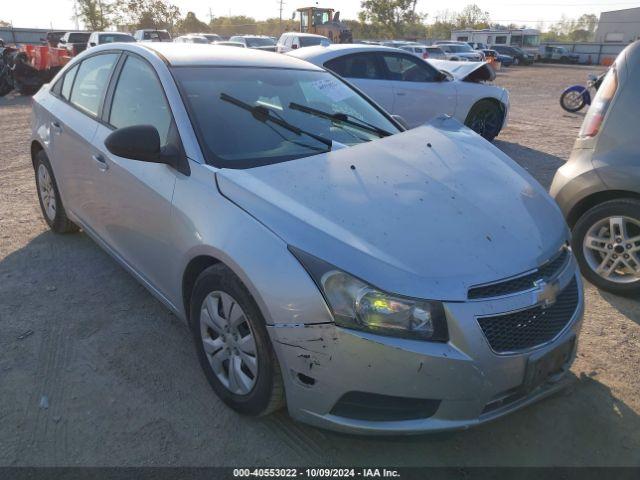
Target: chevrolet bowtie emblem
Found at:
x=547, y=293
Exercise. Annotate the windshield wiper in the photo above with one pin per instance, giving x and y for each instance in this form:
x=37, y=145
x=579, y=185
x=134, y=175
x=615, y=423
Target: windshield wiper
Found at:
x=341, y=117
x=263, y=114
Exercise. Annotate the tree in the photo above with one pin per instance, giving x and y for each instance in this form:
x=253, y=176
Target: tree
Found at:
x=473, y=17
x=139, y=14
x=4, y=24
x=191, y=24
x=96, y=14
x=390, y=16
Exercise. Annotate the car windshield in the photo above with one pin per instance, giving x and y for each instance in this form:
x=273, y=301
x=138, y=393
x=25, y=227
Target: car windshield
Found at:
x=235, y=137
x=157, y=36
x=260, y=42
x=212, y=38
x=116, y=37
x=457, y=48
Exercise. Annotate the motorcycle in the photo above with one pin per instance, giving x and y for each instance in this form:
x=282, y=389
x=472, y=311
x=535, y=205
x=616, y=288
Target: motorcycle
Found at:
x=574, y=98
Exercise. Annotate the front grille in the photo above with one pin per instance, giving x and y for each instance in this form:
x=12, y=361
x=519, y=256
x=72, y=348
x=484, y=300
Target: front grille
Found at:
x=522, y=283
x=512, y=332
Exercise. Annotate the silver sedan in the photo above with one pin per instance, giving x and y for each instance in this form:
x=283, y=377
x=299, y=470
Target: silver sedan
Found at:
x=376, y=280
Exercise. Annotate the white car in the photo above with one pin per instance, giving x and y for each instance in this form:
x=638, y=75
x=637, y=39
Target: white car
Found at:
x=419, y=90
x=294, y=40
x=191, y=39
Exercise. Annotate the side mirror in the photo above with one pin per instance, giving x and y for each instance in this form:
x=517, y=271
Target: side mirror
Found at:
x=294, y=46
x=138, y=142
x=93, y=44
x=401, y=121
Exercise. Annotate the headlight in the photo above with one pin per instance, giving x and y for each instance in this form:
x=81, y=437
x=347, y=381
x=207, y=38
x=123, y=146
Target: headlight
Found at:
x=358, y=305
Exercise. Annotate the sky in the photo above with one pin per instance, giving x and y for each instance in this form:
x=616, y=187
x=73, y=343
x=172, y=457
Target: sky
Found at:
x=58, y=14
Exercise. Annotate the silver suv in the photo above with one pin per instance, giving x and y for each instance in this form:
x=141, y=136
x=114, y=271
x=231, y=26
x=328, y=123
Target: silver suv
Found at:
x=379, y=280
x=598, y=189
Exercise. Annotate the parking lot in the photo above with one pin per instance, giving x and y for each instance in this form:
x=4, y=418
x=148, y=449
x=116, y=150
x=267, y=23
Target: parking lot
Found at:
x=95, y=371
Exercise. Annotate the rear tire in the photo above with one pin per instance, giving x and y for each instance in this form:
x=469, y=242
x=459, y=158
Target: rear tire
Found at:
x=224, y=335
x=485, y=118
x=595, y=224
x=49, y=197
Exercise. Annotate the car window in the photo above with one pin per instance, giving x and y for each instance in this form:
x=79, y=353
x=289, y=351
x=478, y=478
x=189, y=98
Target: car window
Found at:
x=79, y=37
x=67, y=82
x=115, y=37
x=310, y=41
x=408, y=69
x=91, y=82
x=139, y=99
x=360, y=65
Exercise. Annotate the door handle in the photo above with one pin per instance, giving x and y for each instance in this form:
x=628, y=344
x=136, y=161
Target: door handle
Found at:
x=101, y=162
x=56, y=127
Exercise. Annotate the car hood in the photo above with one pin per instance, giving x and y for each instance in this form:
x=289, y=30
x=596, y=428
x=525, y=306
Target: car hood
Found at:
x=465, y=70
x=425, y=213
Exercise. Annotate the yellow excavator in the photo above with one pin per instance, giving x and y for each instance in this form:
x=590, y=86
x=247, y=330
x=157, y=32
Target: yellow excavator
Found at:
x=323, y=21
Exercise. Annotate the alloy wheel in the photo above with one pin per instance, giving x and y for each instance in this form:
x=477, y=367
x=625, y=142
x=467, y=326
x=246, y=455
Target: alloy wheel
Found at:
x=611, y=248
x=574, y=100
x=229, y=342
x=485, y=122
x=47, y=193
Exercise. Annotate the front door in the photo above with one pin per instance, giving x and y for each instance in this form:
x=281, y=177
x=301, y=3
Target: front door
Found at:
x=420, y=92
x=365, y=72
x=135, y=215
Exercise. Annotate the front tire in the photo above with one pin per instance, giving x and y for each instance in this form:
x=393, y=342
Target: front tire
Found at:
x=485, y=118
x=49, y=197
x=606, y=243
x=572, y=100
x=233, y=345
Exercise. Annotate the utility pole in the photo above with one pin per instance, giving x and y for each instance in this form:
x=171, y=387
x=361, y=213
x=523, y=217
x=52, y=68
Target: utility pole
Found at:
x=210, y=15
x=75, y=14
x=280, y=24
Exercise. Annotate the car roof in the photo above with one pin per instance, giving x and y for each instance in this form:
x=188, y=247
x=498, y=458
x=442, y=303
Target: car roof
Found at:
x=197, y=55
x=337, y=50
x=303, y=34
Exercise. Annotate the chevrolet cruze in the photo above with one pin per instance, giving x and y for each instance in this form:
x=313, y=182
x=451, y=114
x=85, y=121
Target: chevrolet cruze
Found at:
x=373, y=279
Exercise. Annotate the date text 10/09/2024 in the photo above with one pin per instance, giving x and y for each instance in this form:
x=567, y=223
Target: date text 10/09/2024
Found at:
x=316, y=472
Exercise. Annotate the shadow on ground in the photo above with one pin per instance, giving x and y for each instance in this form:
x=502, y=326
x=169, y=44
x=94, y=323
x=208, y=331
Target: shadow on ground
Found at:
x=543, y=164
x=124, y=388
x=15, y=99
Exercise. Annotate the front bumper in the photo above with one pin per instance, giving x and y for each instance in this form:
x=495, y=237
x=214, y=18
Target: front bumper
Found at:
x=323, y=362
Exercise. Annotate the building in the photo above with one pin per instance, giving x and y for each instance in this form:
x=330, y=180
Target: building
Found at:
x=526, y=38
x=619, y=26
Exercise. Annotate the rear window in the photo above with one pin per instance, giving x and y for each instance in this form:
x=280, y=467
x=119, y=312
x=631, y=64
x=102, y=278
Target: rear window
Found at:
x=79, y=37
x=260, y=42
x=158, y=36
x=311, y=41
x=116, y=37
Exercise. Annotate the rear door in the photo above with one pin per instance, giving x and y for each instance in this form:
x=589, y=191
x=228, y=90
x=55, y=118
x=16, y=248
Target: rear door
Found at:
x=135, y=196
x=73, y=126
x=365, y=71
x=420, y=94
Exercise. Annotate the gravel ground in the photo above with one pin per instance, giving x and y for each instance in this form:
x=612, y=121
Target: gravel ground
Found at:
x=94, y=371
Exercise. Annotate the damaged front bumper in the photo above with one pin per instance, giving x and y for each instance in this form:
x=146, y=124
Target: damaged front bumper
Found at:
x=356, y=382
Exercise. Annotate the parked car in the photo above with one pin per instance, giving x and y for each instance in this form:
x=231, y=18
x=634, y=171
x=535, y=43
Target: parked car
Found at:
x=290, y=221
x=598, y=189
x=53, y=38
x=74, y=42
x=462, y=51
x=211, y=37
x=257, y=42
x=416, y=90
x=191, y=39
x=435, y=53
x=100, y=38
x=152, y=35
x=231, y=44
x=293, y=40
x=418, y=50
x=520, y=57
x=505, y=60
x=550, y=53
